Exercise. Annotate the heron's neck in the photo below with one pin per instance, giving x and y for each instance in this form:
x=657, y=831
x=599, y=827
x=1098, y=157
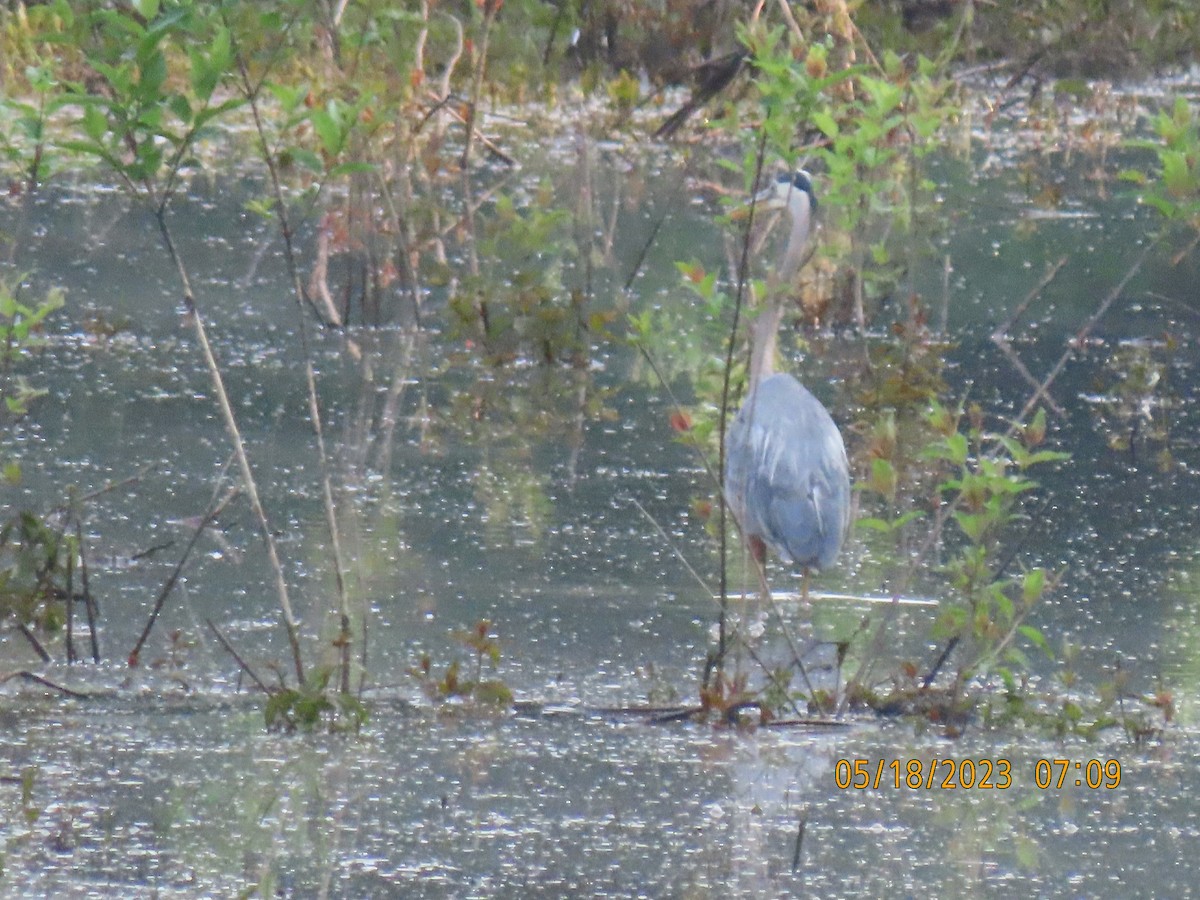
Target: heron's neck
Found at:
x=797, y=246
x=762, y=338
x=766, y=326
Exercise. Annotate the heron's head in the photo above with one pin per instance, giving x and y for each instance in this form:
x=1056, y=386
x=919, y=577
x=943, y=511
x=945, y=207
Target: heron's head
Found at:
x=792, y=192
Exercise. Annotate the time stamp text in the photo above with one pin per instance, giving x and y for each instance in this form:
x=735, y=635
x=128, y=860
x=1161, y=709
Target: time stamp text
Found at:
x=974, y=774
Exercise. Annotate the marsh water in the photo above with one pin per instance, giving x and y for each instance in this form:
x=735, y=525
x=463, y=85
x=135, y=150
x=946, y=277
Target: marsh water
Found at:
x=508, y=490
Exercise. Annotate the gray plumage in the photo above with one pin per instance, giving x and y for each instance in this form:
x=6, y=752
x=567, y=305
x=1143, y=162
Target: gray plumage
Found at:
x=786, y=474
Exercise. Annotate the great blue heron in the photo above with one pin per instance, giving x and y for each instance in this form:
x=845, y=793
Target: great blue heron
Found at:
x=786, y=477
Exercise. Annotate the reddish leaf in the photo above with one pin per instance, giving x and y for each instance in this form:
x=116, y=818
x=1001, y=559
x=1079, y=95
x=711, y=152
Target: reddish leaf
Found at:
x=681, y=421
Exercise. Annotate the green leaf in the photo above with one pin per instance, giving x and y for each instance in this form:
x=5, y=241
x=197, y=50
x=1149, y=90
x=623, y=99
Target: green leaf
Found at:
x=152, y=73
x=1017, y=656
x=307, y=159
x=221, y=49
x=168, y=20
x=147, y=9
x=825, y=123
x=289, y=98
x=872, y=523
x=1033, y=585
x=1004, y=606
x=90, y=148
x=180, y=106
x=974, y=526
x=1035, y=637
x=955, y=448
x=203, y=76
x=1177, y=175
x=119, y=78
x=147, y=161
x=883, y=477
x=1043, y=456
x=327, y=127
x=261, y=207
x=641, y=325
x=95, y=123
x=1165, y=207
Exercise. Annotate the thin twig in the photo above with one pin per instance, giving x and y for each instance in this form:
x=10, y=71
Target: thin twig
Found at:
x=797, y=33
x=491, y=7
x=939, y=662
x=674, y=549
x=1001, y=331
x=765, y=592
x=46, y=682
x=641, y=257
x=88, y=603
x=314, y=411
x=491, y=146
x=404, y=237
x=242, y=664
x=677, y=407
x=70, y=629
x=239, y=448
x=207, y=519
x=799, y=842
x=708, y=592
x=250, y=92
x=135, y=478
x=34, y=642
x=1011, y=354
x=151, y=550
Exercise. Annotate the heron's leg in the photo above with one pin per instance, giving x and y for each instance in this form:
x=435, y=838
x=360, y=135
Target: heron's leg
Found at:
x=784, y=629
x=754, y=548
x=758, y=552
x=804, y=581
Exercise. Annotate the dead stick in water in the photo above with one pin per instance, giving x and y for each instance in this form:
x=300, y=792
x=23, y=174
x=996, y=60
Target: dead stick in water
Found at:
x=1086, y=330
x=799, y=842
x=42, y=680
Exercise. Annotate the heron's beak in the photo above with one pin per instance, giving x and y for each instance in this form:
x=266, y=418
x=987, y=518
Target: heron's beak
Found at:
x=766, y=200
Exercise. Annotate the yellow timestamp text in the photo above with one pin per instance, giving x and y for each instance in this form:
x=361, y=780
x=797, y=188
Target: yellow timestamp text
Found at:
x=971, y=774
x=1093, y=773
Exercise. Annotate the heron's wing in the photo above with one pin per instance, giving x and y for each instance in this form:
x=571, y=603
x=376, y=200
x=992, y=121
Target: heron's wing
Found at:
x=808, y=504
x=790, y=469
